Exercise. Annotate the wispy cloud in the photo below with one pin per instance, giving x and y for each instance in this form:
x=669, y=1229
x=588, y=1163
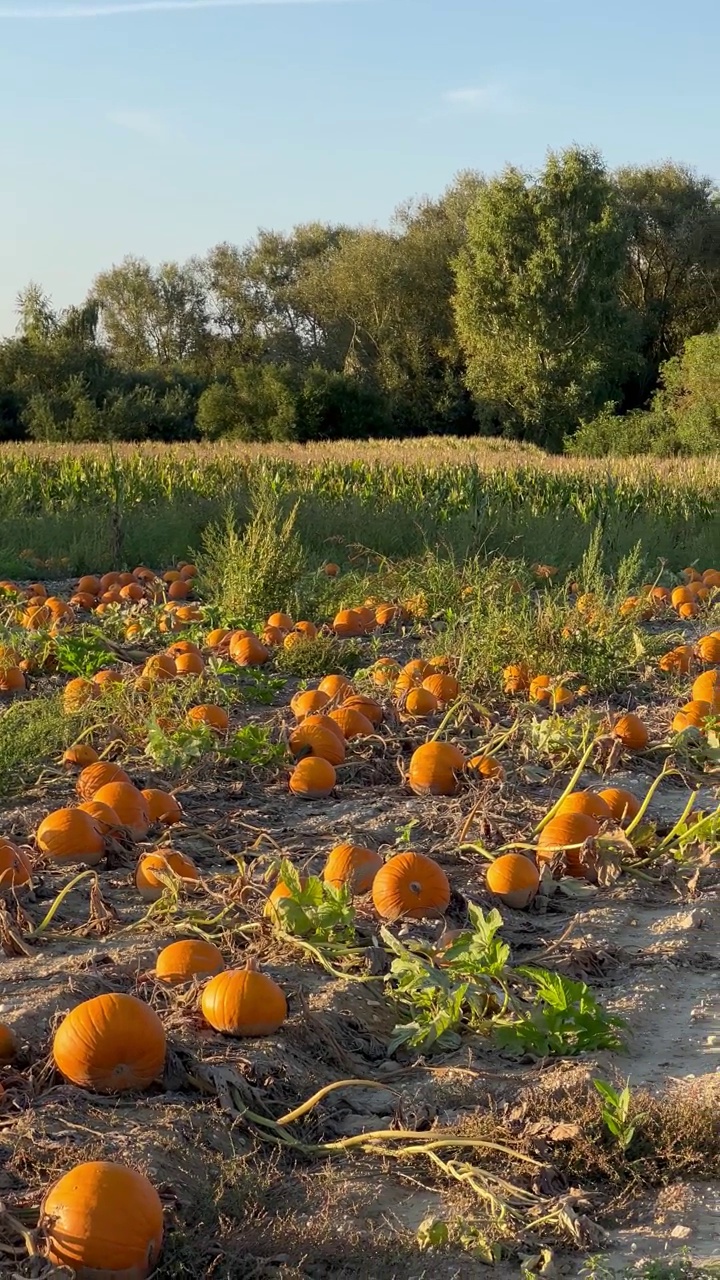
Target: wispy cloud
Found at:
x=148, y=124
x=493, y=98
x=115, y=8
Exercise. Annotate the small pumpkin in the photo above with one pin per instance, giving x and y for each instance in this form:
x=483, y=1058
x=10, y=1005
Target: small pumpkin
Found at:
x=68, y=836
x=244, y=1002
x=110, y=1044
x=352, y=865
x=514, y=879
x=12, y=680
x=307, y=630
x=677, y=661
x=15, y=868
x=190, y=958
x=336, y=687
x=539, y=689
x=189, y=664
x=632, y=732
x=516, y=678
x=313, y=778
x=331, y=570
x=95, y=776
x=567, y=833
x=282, y=621
x=248, y=651
x=352, y=723
x=129, y=804
x=272, y=637
x=420, y=702
x=162, y=806
x=8, y=1044
x=445, y=688
x=623, y=805
x=167, y=862
x=159, y=668
x=416, y=670
x=80, y=756
x=78, y=693
x=411, y=885
x=103, y=1221
x=367, y=707
x=486, y=767
x=692, y=716
x=385, y=671
x=588, y=802
x=217, y=637
x=317, y=737
x=308, y=703
x=434, y=769
x=207, y=713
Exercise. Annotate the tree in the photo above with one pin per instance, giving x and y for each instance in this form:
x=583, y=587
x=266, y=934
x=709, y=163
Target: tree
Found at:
x=154, y=318
x=537, y=304
x=256, y=403
x=672, y=276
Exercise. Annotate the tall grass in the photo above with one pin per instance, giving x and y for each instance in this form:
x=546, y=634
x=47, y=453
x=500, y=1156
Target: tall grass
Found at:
x=152, y=503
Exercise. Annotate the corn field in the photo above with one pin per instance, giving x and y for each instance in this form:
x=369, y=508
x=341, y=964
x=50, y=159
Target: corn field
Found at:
x=85, y=504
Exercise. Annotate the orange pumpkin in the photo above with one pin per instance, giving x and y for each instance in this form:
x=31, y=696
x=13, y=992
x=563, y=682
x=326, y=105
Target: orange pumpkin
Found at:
x=15, y=868
x=188, y=959
x=680, y=595
x=539, y=689
x=420, y=702
x=588, y=802
x=248, y=651
x=623, y=805
x=318, y=736
x=77, y=694
x=162, y=806
x=707, y=689
x=631, y=731
x=110, y=1044
x=169, y=863
x=282, y=621
x=487, y=767
x=692, y=716
x=331, y=570
x=105, y=817
x=385, y=671
x=89, y=585
x=352, y=865
x=312, y=779
x=514, y=879
x=180, y=647
x=215, y=638
x=95, y=776
x=129, y=805
x=677, y=660
x=336, y=687
x=68, y=836
x=160, y=667
x=244, y=1002
x=209, y=714
x=352, y=723
x=273, y=636
x=367, y=707
x=189, y=664
x=12, y=680
x=307, y=630
x=412, y=885
x=567, y=833
x=103, y=1221
x=416, y=670
x=308, y=703
x=80, y=756
x=688, y=610
x=445, y=688
x=516, y=678
x=8, y=1044
x=434, y=769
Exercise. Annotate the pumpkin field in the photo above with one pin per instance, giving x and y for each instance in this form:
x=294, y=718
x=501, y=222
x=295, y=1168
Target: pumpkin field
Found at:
x=359, y=864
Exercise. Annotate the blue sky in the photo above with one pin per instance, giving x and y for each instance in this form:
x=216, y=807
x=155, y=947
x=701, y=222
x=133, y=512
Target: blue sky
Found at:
x=165, y=126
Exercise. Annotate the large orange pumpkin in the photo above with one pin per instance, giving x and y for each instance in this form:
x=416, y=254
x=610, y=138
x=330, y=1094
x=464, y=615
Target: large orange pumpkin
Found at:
x=367, y=707
x=486, y=767
x=567, y=833
x=68, y=836
x=352, y=865
x=80, y=756
x=167, y=862
x=419, y=703
x=129, y=805
x=207, y=713
x=412, y=885
x=632, y=732
x=189, y=664
x=336, y=687
x=352, y=723
x=708, y=648
x=623, y=805
x=103, y=1221
x=445, y=688
x=15, y=868
x=308, y=703
x=248, y=651
x=282, y=621
x=105, y=817
x=514, y=879
x=318, y=736
x=588, y=802
x=707, y=689
x=244, y=1002
x=77, y=693
x=312, y=779
x=110, y=1044
x=348, y=624
x=191, y=958
x=95, y=776
x=162, y=806
x=434, y=769
x=692, y=716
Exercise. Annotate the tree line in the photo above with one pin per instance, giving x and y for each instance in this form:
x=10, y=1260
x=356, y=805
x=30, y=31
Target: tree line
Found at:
x=572, y=308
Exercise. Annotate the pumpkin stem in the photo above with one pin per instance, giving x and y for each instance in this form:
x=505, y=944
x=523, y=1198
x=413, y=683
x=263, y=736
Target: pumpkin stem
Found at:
x=251, y=965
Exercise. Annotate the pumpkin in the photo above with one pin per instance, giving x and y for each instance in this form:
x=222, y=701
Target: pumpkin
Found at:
x=110, y=1044
x=331, y=570
x=308, y=703
x=514, y=879
x=385, y=671
x=516, y=678
x=567, y=833
x=188, y=959
x=691, y=575
x=189, y=664
x=312, y=779
x=215, y=638
x=8, y=1044
x=631, y=732
x=677, y=660
x=282, y=621
x=486, y=766
x=688, y=610
x=12, y=680
x=244, y=1002
x=588, y=802
x=367, y=707
x=445, y=688
x=417, y=669
x=680, y=595
x=188, y=571
x=68, y=836
x=336, y=687
x=434, y=768
x=15, y=868
x=248, y=651
x=352, y=865
x=178, y=590
x=708, y=648
x=318, y=736
x=89, y=585
x=307, y=630
x=440, y=662
x=106, y=676
x=539, y=689
x=162, y=806
x=348, y=624
x=129, y=805
x=707, y=689
x=168, y=862
x=561, y=697
x=387, y=614
x=279, y=892
x=103, y=1221
x=78, y=693
x=692, y=715
x=352, y=723
x=412, y=885
x=272, y=637
x=209, y=714
x=105, y=817
x=623, y=805
x=160, y=667
x=420, y=702
x=79, y=756
x=98, y=775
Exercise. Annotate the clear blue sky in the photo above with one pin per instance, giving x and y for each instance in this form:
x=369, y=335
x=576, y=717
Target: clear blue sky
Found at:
x=168, y=125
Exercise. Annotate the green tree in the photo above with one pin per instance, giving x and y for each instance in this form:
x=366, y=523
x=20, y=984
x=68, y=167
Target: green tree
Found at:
x=538, y=308
x=256, y=403
x=154, y=318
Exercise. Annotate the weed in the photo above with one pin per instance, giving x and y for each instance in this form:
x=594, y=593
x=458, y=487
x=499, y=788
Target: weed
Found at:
x=616, y=1106
x=175, y=750
x=253, y=745
x=567, y=1019
x=309, y=659
x=30, y=733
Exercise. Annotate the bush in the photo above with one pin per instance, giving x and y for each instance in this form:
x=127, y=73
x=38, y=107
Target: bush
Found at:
x=255, y=404
x=332, y=406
